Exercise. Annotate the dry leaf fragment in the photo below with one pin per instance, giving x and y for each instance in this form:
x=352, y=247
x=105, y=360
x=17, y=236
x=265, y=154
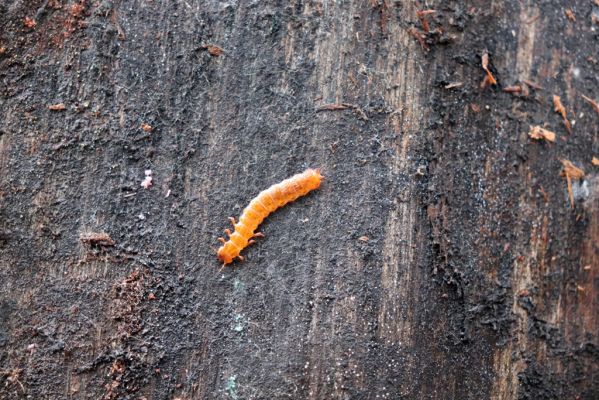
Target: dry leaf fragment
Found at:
x=570, y=172
x=485, y=64
x=213, y=50
x=595, y=161
x=538, y=133
x=592, y=102
x=57, y=107
x=560, y=109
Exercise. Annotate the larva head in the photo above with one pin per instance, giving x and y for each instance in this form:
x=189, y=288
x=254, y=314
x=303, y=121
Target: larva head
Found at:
x=314, y=178
x=225, y=255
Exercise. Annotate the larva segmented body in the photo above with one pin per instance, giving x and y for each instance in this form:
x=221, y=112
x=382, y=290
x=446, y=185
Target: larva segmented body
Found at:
x=260, y=207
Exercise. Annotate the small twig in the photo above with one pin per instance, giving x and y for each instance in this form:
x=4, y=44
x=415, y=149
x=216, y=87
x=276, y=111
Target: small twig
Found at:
x=343, y=106
x=423, y=16
x=485, y=64
x=333, y=107
x=454, y=85
x=513, y=89
x=533, y=19
x=570, y=172
x=532, y=84
x=414, y=32
x=560, y=109
x=592, y=102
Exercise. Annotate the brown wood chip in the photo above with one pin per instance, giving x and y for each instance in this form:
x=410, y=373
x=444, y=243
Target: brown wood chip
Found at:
x=592, y=102
x=538, y=133
x=146, y=127
x=57, y=107
x=570, y=172
x=560, y=109
x=96, y=238
x=485, y=65
x=213, y=50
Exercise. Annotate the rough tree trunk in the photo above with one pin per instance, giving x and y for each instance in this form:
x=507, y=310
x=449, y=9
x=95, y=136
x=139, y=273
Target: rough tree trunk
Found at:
x=441, y=259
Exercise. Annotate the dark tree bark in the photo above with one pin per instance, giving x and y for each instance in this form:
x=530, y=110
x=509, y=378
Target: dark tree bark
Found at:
x=442, y=257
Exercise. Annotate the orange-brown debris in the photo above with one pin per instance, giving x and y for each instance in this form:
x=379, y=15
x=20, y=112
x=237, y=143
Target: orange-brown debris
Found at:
x=416, y=33
x=333, y=107
x=96, y=238
x=592, y=102
x=485, y=64
x=213, y=50
x=513, y=89
x=538, y=133
x=454, y=85
x=595, y=161
x=570, y=15
x=423, y=16
x=570, y=172
x=57, y=107
x=532, y=84
x=29, y=23
x=560, y=109
x=146, y=127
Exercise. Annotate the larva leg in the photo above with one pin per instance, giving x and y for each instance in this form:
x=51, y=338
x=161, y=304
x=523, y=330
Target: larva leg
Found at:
x=241, y=258
x=222, y=240
x=251, y=242
x=258, y=234
x=228, y=232
x=233, y=221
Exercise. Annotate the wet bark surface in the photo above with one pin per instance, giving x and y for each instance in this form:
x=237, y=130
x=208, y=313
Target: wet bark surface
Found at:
x=441, y=258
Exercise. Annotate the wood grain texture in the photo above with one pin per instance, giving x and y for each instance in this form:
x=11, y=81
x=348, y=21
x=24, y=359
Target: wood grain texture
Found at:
x=442, y=259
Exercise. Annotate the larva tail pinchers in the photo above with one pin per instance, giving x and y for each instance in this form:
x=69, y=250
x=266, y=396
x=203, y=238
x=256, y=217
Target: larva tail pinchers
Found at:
x=260, y=207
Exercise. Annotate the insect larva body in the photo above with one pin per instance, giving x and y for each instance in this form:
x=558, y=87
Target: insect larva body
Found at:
x=260, y=207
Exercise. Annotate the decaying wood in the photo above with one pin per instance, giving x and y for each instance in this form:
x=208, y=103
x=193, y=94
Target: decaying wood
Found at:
x=96, y=239
x=443, y=257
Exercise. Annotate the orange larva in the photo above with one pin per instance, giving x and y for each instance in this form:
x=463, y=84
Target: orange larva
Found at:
x=260, y=207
